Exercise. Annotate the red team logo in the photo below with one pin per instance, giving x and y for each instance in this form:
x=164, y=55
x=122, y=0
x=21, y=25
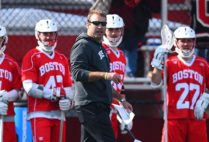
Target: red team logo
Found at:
x=203, y=12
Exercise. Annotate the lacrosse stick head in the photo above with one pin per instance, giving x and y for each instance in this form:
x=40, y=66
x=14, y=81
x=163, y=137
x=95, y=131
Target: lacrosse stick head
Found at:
x=167, y=37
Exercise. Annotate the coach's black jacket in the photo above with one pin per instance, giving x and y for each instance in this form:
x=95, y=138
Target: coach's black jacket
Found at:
x=89, y=55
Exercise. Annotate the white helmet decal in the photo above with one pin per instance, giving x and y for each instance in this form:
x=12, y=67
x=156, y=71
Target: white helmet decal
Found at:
x=181, y=33
x=3, y=34
x=46, y=25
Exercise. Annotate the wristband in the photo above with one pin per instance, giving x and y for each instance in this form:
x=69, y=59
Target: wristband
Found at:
x=105, y=76
x=122, y=100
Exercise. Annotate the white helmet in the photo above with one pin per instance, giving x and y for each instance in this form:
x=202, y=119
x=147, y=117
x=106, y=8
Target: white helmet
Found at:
x=3, y=35
x=184, y=32
x=46, y=25
x=114, y=21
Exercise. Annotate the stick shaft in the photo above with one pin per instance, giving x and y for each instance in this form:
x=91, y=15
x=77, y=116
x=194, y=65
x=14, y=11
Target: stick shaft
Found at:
x=165, y=106
x=61, y=126
x=131, y=134
x=1, y=127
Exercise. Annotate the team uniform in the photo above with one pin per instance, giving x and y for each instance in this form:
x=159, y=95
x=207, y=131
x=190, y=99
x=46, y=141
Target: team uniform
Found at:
x=185, y=83
x=9, y=79
x=117, y=64
x=51, y=71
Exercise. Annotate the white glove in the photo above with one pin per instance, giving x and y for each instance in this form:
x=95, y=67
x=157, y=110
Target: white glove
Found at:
x=3, y=108
x=201, y=106
x=124, y=127
x=3, y=96
x=54, y=94
x=66, y=104
x=158, y=58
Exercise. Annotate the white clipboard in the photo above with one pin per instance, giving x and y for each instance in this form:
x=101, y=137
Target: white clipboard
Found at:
x=124, y=116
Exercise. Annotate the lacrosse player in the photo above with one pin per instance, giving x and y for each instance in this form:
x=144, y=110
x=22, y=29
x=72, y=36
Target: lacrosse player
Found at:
x=10, y=86
x=111, y=40
x=46, y=79
x=187, y=78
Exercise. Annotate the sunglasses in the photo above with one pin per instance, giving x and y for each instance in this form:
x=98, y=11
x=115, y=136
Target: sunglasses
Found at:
x=97, y=23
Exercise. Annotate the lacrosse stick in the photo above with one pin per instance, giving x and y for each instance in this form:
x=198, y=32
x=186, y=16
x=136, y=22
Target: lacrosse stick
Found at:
x=61, y=125
x=1, y=127
x=167, y=37
x=61, y=122
x=126, y=118
x=167, y=41
x=132, y=135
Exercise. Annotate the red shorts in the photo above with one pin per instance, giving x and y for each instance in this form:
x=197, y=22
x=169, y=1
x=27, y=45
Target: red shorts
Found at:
x=115, y=125
x=47, y=130
x=9, y=132
x=186, y=130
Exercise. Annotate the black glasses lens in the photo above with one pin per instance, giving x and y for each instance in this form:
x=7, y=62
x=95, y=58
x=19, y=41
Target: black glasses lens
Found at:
x=97, y=23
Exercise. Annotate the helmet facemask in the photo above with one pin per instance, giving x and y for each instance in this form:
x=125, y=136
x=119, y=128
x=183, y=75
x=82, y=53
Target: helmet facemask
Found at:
x=47, y=46
x=113, y=42
x=3, y=39
x=184, y=32
x=3, y=43
x=184, y=53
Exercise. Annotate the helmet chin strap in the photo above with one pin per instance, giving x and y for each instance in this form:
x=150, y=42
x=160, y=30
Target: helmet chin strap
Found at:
x=46, y=48
x=111, y=44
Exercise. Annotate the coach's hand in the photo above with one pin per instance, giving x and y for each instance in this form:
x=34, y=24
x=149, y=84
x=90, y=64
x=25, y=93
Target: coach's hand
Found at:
x=112, y=76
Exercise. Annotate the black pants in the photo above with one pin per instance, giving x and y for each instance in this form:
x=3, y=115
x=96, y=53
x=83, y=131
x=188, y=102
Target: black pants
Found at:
x=95, y=123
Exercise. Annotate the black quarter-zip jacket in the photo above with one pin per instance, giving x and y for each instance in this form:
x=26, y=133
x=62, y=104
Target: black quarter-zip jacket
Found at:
x=88, y=55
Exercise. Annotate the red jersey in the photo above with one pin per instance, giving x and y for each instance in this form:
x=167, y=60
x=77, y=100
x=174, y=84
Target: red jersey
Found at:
x=185, y=84
x=49, y=71
x=10, y=78
x=117, y=64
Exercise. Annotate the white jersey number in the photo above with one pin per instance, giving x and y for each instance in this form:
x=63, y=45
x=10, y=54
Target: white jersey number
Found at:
x=51, y=83
x=182, y=103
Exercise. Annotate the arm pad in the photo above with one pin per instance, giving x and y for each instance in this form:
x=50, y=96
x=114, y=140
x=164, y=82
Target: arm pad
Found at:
x=36, y=90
